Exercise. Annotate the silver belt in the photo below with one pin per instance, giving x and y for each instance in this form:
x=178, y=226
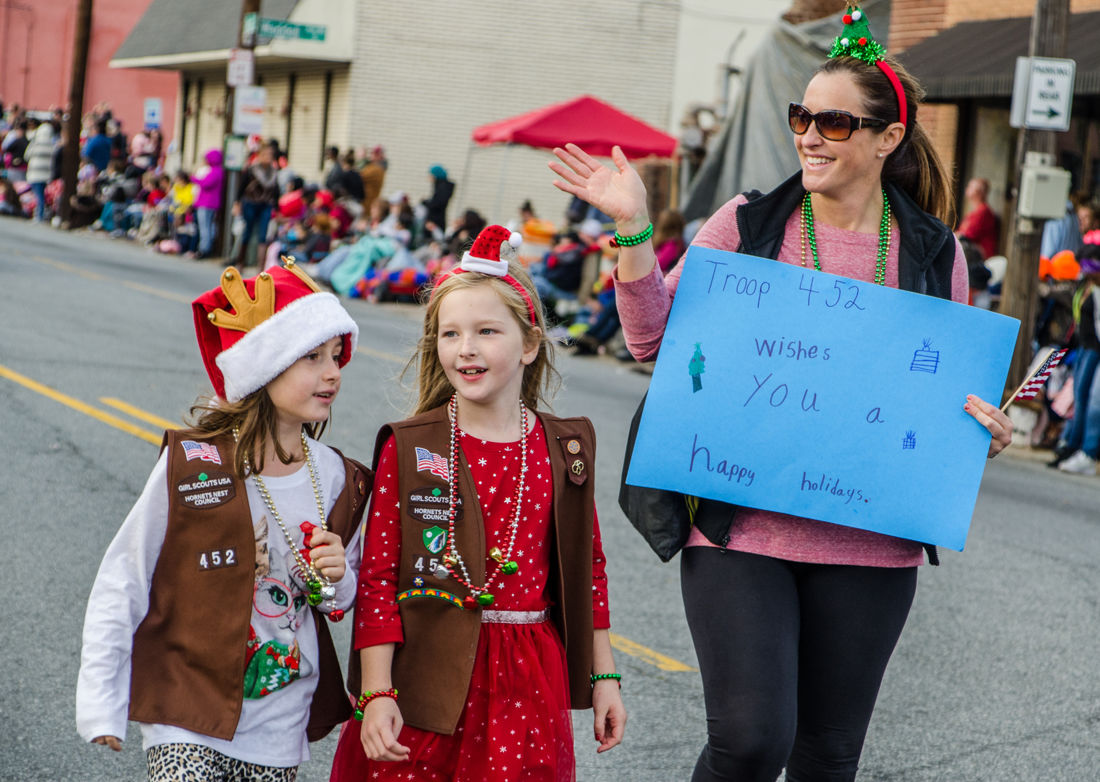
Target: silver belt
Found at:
x=514, y=617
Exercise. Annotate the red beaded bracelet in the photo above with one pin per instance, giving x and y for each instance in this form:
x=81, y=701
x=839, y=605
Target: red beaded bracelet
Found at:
x=369, y=696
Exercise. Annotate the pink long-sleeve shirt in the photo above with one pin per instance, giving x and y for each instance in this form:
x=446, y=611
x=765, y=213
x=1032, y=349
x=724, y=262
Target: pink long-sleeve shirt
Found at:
x=643, y=309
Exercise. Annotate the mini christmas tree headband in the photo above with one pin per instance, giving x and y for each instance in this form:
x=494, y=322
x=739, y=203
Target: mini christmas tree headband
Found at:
x=855, y=41
x=489, y=255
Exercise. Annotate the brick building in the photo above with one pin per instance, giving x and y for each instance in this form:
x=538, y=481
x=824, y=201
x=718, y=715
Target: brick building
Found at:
x=36, y=56
x=964, y=53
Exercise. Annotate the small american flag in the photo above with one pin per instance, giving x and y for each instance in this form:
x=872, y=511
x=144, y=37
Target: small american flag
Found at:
x=204, y=451
x=1032, y=385
x=432, y=462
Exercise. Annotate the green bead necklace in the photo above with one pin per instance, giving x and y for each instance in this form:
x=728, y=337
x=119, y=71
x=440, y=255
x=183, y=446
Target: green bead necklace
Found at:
x=807, y=233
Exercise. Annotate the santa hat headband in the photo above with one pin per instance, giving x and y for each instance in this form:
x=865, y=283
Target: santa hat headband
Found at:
x=489, y=254
x=250, y=331
x=855, y=41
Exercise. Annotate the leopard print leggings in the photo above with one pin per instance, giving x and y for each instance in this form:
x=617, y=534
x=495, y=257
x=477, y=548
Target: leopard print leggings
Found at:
x=196, y=763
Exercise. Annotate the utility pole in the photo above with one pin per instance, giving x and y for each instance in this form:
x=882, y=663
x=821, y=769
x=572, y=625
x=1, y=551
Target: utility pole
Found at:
x=229, y=182
x=70, y=158
x=1049, y=30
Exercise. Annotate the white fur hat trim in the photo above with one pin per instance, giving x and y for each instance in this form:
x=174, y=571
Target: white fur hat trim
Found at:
x=266, y=351
x=472, y=263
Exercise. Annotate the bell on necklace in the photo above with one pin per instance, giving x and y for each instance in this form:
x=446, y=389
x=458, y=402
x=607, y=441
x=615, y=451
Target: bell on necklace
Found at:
x=314, y=598
x=441, y=572
x=449, y=560
x=510, y=568
x=485, y=600
x=328, y=592
x=495, y=554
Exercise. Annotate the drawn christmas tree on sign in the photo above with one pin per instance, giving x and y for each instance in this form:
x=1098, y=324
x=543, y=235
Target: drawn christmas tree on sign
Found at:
x=909, y=442
x=696, y=369
x=925, y=359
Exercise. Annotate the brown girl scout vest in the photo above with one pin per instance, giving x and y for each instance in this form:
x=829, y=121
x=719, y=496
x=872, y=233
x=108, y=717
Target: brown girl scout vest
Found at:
x=188, y=661
x=432, y=670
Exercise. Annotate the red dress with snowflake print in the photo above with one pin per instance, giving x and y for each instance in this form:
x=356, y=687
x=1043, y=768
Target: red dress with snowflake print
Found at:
x=515, y=724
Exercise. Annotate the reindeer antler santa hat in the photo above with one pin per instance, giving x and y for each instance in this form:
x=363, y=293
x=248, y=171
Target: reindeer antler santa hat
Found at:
x=250, y=331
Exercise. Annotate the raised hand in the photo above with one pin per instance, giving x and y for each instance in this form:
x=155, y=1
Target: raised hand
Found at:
x=617, y=193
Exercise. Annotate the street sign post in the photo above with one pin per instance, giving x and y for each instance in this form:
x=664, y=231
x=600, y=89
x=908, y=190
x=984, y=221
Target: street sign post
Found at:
x=235, y=154
x=248, y=111
x=264, y=27
x=1042, y=94
x=241, y=70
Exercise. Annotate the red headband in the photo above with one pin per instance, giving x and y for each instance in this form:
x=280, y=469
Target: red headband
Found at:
x=855, y=40
x=508, y=278
x=903, y=114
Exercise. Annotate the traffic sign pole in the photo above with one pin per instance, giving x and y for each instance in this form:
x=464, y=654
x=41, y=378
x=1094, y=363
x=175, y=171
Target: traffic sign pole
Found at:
x=1049, y=30
x=247, y=42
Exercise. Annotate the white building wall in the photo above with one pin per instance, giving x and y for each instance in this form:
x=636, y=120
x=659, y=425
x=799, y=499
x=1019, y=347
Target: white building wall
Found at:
x=712, y=35
x=209, y=123
x=206, y=125
x=427, y=73
x=340, y=112
x=277, y=88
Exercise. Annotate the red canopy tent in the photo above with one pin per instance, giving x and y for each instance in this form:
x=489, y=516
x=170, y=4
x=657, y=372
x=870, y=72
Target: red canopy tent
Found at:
x=590, y=123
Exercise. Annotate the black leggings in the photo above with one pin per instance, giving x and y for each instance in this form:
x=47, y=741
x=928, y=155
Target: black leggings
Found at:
x=792, y=656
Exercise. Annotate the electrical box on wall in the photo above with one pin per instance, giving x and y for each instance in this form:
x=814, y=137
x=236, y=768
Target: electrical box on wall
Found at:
x=1043, y=192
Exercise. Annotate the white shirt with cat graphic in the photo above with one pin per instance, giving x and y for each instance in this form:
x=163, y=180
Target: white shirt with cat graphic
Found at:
x=282, y=650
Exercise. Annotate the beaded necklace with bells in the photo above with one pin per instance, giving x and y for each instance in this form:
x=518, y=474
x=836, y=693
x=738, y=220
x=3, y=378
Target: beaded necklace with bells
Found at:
x=452, y=560
x=320, y=587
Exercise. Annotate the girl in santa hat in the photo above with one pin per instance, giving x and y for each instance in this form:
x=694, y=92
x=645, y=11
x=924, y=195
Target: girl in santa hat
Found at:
x=207, y=620
x=482, y=612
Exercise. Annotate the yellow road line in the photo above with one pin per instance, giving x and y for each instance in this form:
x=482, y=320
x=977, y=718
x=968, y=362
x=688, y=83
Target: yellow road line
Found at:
x=90, y=275
x=645, y=654
x=137, y=286
x=380, y=354
x=65, y=267
x=138, y=413
x=76, y=404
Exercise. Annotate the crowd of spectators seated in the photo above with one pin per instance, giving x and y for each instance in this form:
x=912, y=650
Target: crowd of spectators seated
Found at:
x=356, y=238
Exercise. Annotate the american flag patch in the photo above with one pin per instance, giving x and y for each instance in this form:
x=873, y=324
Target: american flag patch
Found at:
x=432, y=462
x=204, y=451
x=1032, y=387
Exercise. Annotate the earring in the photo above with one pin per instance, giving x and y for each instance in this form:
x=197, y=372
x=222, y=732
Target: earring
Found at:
x=880, y=154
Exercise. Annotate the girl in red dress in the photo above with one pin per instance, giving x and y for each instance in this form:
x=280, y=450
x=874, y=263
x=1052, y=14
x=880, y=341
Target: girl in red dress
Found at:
x=482, y=612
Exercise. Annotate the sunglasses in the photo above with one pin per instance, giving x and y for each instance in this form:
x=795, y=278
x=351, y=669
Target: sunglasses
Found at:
x=834, y=125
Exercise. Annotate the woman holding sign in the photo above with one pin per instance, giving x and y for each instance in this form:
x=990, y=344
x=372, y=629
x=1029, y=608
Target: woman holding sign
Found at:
x=794, y=620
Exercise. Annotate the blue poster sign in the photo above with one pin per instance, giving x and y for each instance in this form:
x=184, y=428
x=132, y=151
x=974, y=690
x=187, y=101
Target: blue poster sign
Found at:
x=792, y=390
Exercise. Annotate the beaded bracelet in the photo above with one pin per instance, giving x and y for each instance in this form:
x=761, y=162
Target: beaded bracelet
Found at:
x=618, y=240
x=598, y=676
x=369, y=696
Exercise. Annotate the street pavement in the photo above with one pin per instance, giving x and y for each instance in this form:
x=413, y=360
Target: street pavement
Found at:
x=995, y=677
